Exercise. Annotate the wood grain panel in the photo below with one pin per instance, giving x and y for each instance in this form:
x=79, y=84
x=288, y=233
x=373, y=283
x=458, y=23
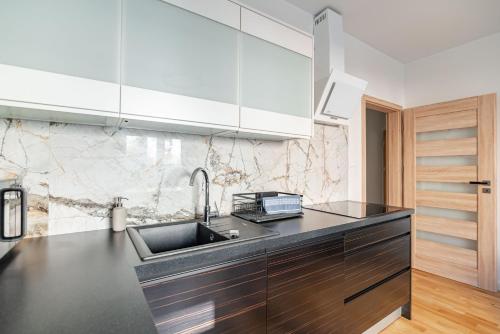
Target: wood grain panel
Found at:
x=451, y=174
x=409, y=170
x=455, y=228
x=394, y=163
x=487, y=228
x=446, y=107
x=447, y=200
x=371, y=265
x=381, y=105
x=363, y=149
x=453, y=120
x=447, y=147
x=366, y=310
x=213, y=300
x=373, y=234
x=447, y=253
x=303, y=288
x=442, y=268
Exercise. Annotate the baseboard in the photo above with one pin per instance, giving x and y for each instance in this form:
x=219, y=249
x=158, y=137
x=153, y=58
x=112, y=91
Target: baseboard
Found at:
x=382, y=324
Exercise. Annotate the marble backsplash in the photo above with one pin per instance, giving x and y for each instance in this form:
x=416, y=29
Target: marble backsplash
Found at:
x=73, y=172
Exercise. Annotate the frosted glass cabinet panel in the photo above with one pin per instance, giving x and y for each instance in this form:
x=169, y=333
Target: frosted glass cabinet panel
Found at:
x=275, y=88
x=61, y=52
x=178, y=65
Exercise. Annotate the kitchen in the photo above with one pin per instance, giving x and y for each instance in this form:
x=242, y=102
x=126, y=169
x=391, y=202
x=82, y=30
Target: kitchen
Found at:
x=241, y=89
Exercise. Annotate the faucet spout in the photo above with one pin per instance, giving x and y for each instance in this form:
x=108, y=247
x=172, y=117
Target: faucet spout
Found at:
x=206, y=211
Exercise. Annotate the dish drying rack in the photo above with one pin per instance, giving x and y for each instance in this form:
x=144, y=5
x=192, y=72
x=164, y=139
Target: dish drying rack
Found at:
x=263, y=207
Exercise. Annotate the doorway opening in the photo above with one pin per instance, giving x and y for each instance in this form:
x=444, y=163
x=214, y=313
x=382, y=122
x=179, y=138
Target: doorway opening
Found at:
x=382, y=173
x=375, y=156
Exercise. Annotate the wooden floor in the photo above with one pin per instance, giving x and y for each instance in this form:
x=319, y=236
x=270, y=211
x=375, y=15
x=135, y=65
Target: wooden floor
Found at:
x=441, y=305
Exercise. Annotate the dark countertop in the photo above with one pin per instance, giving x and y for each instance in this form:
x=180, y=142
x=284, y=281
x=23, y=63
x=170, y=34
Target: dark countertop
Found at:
x=86, y=282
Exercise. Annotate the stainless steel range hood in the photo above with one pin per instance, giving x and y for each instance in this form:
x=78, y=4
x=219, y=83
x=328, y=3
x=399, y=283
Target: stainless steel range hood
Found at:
x=337, y=94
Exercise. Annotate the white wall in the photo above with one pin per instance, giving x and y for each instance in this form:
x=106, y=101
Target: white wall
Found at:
x=385, y=77
x=468, y=70
x=384, y=74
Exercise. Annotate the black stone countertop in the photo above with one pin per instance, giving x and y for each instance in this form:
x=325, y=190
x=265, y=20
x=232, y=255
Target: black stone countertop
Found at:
x=86, y=282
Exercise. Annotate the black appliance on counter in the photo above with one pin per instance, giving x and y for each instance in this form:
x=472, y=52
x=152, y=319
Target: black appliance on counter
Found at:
x=353, y=209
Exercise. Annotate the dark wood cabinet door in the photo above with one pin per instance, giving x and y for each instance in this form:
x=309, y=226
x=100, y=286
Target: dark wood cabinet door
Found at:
x=230, y=298
x=305, y=288
x=369, y=308
x=374, y=234
x=370, y=265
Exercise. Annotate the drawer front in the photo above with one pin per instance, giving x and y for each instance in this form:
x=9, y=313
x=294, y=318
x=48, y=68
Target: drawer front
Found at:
x=214, y=300
x=370, y=265
x=373, y=234
x=303, y=289
x=369, y=308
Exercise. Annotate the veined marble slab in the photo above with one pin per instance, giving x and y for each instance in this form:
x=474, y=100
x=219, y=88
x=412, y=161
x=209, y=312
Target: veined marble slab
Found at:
x=73, y=172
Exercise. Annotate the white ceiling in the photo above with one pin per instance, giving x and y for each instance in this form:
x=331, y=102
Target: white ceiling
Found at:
x=408, y=30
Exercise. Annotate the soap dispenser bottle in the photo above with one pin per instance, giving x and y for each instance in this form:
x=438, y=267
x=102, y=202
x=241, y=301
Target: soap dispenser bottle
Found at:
x=119, y=215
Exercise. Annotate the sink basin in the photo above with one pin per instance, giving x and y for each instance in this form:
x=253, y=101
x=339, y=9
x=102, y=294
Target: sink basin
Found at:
x=158, y=240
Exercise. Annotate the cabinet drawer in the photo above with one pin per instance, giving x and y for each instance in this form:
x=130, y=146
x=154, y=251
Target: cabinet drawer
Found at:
x=373, y=234
x=366, y=310
x=212, y=300
x=303, y=289
x=373, y=264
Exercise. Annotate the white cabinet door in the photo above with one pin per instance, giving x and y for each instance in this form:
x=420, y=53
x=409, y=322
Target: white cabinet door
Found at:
x=276, y=89
x=61, y=54
x=274, y=32
x=178, y=66
x=223, y=11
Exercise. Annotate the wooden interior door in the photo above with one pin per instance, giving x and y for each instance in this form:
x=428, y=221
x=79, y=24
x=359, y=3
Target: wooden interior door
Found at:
x=449, y=160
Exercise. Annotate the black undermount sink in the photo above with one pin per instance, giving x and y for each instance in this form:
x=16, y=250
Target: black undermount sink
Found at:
x=158, y=240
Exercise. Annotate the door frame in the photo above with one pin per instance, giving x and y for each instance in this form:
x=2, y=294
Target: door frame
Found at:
x=394, y=148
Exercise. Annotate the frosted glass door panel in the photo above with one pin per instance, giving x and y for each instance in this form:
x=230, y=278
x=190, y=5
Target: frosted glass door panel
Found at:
x=447, y=134
x=447, y=213
x=467, y=160
x=171, y=50
x=73, y=37
x=274, y=78
x=449, y=187
x=447, y=240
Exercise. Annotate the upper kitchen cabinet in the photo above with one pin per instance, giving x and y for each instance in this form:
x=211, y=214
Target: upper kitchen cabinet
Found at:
x=59, y=60
x=180, y=65
x=275, y=79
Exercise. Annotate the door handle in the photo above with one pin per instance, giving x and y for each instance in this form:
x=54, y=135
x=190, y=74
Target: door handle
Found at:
x=481, y=183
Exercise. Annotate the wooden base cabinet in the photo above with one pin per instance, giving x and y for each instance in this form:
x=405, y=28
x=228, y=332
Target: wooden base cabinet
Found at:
x=304, y=288
x=343, y=283
x=229, y=298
